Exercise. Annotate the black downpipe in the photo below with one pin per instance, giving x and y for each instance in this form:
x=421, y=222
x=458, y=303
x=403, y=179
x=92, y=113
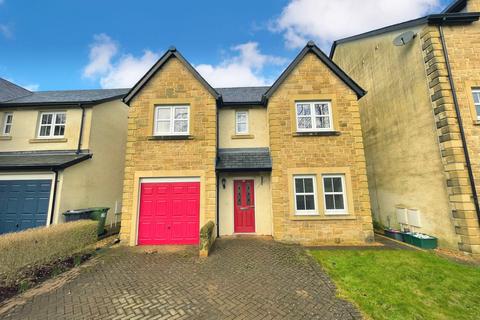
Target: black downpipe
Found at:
x=80, y=135
x=54, y=196
x=460, y=123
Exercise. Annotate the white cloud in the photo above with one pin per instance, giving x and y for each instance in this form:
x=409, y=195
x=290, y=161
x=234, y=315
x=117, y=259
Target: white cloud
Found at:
x=243, y=69
x=327, y=20
x=113, y=71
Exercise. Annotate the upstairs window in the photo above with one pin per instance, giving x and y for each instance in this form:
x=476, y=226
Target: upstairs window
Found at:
x=476, y=101
x=52, y=124
x=334, y=194
x=7, y=123
x=241, y=122
x=305, y=203
x=314, y=116
x=171, y=120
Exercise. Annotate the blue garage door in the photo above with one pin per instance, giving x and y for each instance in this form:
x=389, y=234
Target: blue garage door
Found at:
x=23, y=204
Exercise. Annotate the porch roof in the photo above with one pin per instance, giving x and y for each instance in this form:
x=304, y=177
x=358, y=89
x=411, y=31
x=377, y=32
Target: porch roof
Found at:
x=244, y=159
x=46, y=160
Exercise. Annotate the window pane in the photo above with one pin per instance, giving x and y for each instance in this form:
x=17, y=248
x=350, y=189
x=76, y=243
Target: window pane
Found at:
x=478, y=110
x=321, y=109
x=162, y=127
x=309, y=202
x=323, y=122
x=303, y=110
x=60, y=118
x=248, y=195
x=241, y=127
x=308, y=185
x=163, y=113
x=59, y=131
x=299, y=186
x=242, y=117
x=339, y=202
x=337, y=184
x=327, y=185
x=329, y=202
x=300, y=202
x=180, y=126
x=181, y=113
x=476, y=97
x=9, y=119
x=304, y=123
x=239, y=194
x=44, y=131
x=46, y=118
x=7, y=129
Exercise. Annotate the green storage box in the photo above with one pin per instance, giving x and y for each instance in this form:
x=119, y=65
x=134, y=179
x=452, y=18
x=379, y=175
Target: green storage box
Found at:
x=421, y=240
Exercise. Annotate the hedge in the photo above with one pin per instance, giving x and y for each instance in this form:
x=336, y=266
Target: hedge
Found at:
x=34, y=247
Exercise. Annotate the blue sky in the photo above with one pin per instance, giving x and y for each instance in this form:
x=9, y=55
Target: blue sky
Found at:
x=81, y=44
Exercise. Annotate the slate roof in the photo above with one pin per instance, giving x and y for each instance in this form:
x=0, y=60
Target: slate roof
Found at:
x=40, y=159
x=244, y=159
x=68, y=97
x=243, y=95
x=9, y=91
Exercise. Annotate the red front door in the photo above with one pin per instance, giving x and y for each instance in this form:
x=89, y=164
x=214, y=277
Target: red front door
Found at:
x=244, y=208
x=169, y=213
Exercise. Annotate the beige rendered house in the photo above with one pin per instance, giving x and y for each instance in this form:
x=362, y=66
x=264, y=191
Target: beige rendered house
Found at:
x=59, y=150
x=420, y=121
x=285, y=161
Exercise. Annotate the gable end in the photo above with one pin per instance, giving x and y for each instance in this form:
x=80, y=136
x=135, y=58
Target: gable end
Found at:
x=171, y=53
x=311, y=47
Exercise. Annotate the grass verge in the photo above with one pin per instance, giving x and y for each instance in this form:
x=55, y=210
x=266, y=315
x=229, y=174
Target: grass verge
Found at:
x=404, y=284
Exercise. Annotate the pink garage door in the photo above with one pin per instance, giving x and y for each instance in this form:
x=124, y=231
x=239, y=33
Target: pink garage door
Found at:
x=169, y=213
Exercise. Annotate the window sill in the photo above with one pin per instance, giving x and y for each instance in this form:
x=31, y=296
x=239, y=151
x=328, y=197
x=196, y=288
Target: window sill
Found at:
x=476, y=122
x=243, y=136
x=49, y=140
x=316, y=134
x=5, y=137
x=322, y=217
x=172, y=137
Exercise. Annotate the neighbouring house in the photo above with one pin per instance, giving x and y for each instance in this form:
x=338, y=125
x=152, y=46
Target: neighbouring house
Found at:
x=285, y=160
x=421, y=121
x=59, y=150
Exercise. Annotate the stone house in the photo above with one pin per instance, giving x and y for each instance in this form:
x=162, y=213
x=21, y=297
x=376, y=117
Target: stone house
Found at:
x=285, y=160
x=59, y=150
x=420, y=121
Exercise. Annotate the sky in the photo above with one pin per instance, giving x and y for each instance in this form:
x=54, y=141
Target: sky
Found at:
x=89, y=44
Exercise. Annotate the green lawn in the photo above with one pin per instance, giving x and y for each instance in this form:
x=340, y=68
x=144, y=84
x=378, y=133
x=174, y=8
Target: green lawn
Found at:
x=404, y=284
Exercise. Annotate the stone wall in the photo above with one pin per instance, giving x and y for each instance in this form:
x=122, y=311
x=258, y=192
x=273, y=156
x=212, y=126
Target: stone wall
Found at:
x=172, y=84
x=295, y=154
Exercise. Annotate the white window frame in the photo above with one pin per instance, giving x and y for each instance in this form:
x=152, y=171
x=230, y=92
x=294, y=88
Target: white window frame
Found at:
x=343, y=193
x=237, y=122
x=51, y=125
x=172, y=120
x=313, y=117
x=313, y=212
x=476, y=105
x=7, y=123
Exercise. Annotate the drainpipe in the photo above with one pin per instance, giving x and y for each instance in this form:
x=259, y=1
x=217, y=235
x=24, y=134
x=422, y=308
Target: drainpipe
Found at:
x=54, y=196
x=216, y=172
x=80, y=135
x=460, y=123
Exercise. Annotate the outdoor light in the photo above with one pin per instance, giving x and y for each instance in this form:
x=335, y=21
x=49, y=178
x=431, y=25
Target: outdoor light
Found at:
x=223, y=183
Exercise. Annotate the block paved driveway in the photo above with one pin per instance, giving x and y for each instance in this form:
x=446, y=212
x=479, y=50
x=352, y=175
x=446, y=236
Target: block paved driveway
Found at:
x=244, y=278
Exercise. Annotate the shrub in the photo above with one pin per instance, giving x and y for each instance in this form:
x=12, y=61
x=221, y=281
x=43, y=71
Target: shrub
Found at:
x=32, y=248
x=206, y=238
